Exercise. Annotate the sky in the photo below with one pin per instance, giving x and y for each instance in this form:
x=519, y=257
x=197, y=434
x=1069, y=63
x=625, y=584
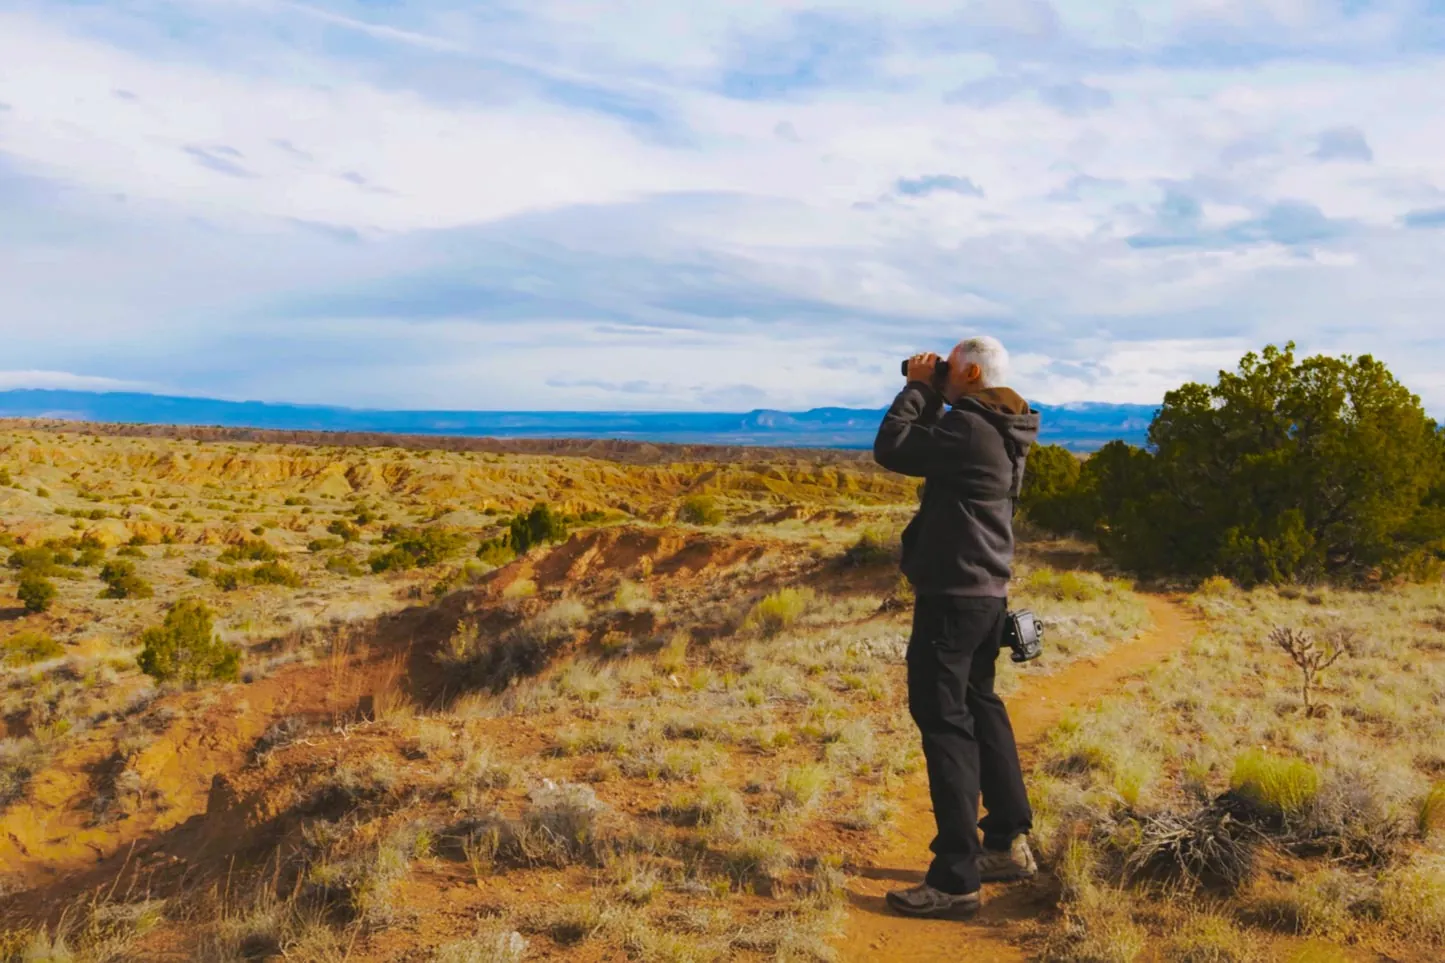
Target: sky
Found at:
x=712, y=205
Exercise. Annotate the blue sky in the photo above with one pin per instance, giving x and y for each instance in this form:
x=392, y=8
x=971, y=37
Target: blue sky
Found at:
x=715, y=205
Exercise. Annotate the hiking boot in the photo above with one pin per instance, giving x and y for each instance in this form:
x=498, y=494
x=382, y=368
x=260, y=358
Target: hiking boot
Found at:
x=924, y=900
x=1006, y=865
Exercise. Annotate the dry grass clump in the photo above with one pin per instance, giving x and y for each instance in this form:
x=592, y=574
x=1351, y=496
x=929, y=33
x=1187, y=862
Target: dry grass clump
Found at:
x=1069, y=585
x=779, y=610
x=1412, y=899
x=1432, y=811
x=874, y=811
x=632, y=597
x=360, y=887
x=715, y=808
x=494, y=946
x=92, y=930
x=801, y=787
x=1329, y=902
x=20, y=759
x=1280, y=786
x=27, y=647
x=1211, y=938
x=1101, y=933
x=759, y=858
x=563, y=824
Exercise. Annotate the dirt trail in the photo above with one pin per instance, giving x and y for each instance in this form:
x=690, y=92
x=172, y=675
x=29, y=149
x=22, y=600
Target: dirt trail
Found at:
x=874, y=933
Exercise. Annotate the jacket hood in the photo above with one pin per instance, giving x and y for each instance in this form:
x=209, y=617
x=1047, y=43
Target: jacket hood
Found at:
x=1006, y=410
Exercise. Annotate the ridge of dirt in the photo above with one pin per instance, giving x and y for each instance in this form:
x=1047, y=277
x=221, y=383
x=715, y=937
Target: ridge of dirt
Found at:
x=53, y=842
x=873, y=932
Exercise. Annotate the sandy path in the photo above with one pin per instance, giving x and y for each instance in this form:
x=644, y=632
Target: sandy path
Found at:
x=874, y=933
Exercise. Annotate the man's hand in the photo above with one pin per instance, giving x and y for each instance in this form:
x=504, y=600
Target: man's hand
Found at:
x=920, y=367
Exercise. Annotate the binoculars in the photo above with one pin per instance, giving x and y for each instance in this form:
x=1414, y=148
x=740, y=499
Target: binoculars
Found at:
x=940, y=371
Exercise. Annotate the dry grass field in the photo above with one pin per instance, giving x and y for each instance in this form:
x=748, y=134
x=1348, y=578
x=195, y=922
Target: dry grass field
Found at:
x=676, y=734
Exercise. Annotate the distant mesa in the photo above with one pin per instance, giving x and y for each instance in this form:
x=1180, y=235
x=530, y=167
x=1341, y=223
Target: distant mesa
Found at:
x=1079, y=427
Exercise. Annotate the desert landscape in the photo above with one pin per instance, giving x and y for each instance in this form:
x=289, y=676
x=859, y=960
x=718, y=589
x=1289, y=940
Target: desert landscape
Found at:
x=301, y=701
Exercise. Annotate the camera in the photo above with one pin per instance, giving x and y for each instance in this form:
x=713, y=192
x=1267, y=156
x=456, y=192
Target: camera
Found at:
x=1024, y=633
x=940, y=371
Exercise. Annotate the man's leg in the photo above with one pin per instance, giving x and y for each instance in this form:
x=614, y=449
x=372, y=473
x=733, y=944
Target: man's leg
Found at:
x=1000, y=774
x=946, y=633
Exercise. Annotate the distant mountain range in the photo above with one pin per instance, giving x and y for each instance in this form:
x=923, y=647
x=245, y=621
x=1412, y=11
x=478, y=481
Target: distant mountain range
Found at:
x=1079, y=427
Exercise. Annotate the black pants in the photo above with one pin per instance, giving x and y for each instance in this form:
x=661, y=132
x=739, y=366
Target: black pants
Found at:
x=967, y=739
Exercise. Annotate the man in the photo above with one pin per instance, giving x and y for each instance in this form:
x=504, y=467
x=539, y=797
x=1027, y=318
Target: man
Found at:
x=957, y=553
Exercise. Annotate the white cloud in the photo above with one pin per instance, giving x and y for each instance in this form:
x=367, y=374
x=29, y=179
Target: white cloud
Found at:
x=10, y=380
x=525, y=179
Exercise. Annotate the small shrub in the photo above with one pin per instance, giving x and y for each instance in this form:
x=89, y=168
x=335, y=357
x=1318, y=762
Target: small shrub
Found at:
x=122, y=582
x=251, y=550
x=202, y=569
x=268, y=573
x=343, y=530
x=1067, y=586
x=779, y=610
x=699, y=510
x=1311, y=657
x=871, y=548
x=28, y=647
x=273, y=573
x=1214, y=587
x=462, y=646
x=496, y=551
x=343, y=564
x=540, y=526
x=1279, y=785
x=38, y=559
x=185, y=647
x=330, y=543
x=563, y=823
x=416, y=548
x=36, y=592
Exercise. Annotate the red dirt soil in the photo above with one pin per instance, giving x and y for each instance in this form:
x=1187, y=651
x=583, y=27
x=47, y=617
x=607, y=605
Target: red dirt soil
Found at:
x=202, y=801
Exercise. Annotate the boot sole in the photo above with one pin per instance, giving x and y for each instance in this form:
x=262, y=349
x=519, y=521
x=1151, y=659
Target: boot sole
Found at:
x=956, y=911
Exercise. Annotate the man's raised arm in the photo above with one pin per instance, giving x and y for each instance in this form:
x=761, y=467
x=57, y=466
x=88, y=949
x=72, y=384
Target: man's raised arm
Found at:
x=910, y=441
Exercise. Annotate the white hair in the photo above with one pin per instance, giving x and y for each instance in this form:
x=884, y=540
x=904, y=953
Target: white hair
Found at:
x=988, y=353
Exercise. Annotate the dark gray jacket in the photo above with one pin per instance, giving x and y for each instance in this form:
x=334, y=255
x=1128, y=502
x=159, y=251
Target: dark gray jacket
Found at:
x=972, y=459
